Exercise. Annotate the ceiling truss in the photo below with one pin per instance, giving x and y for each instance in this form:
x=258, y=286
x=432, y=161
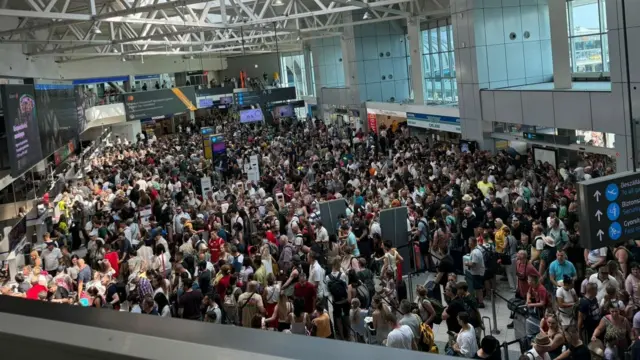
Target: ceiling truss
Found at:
x=76, y=30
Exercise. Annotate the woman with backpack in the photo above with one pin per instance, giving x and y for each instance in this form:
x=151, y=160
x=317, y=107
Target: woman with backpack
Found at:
x=357, y=289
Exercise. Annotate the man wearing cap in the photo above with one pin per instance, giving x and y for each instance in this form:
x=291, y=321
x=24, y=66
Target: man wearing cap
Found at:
x=51, y=256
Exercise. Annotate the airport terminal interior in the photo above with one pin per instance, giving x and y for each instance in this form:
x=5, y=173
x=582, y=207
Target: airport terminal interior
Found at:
x=305, y=179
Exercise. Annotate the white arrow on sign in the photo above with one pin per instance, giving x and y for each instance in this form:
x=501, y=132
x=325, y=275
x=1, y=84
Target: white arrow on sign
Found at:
x=597, y=195
x=599, y=234
x=598, y=214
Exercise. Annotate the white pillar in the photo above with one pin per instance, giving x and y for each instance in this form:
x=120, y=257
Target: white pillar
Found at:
x=560, y=44
x=349, y=63
x=415, y=54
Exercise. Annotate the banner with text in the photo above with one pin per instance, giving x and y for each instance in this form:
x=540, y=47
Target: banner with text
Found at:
x=149, y=104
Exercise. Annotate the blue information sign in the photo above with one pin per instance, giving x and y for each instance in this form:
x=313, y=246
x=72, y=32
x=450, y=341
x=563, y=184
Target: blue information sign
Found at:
x=609, y=210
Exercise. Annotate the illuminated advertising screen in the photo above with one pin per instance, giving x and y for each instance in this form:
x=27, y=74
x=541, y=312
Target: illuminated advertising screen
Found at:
x=251, y=115
x=283, y=111
x=21, y=124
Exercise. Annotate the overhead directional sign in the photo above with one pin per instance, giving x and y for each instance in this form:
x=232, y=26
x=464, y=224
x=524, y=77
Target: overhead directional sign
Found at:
x=264, y=96
x=609, y=210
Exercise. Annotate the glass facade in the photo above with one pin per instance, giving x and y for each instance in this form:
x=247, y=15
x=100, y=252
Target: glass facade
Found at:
x=294, y=72
x=439, y=65
x=588, y=41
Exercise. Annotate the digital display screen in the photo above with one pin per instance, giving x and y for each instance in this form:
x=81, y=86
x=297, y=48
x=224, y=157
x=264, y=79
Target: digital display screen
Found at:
x=218, y=145
x=226, y=100
x=17, y=233
x=21, y=123
x=57, y=115
x=205, y=103
x=283, y=111
x=251, y=115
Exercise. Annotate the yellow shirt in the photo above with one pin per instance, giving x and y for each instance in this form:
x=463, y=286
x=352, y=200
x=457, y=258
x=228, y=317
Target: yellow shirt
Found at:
x=484, y=187
x=500, y=239
x=323, y=326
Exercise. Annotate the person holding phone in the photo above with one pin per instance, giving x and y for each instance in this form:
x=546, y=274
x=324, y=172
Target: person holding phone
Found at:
x=465, y=344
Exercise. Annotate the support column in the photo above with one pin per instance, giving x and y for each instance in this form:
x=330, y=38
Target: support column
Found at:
x=415, y=54
x=560, y=44
x=348, y=45
x=308, y=77
x=317, y=72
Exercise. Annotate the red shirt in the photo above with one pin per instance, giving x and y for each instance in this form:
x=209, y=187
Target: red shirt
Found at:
x=32, y=294
x=112, y=258
x=538, y=294
x=214, y=249
x=522, y=272
x=306, y=291
x=223, y=285
x=272, y=238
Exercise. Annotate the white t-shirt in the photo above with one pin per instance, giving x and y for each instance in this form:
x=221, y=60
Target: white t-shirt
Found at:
x=602, y=285
x=401, y=338
x=316, y=277
x=533, y=355
x=595, y=255
x=566, y=314
x=467, y=341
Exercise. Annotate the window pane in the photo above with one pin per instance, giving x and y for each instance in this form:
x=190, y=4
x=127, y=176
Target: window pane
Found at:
x=603, y=16
x=587, y=53
x=428, y=89
x=455, y=89
x=447, y=93
x=437, y=91
x=452, y=64
x=435, y=65
x=445, y=65
x=444, y=42
x=605, y=49
x=451, y=46
x=433, y=41
x=585, y=17
x=425, y=42
x=426, y=69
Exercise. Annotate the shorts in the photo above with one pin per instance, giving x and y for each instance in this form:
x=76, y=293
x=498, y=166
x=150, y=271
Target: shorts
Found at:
x=478, y=282
x=424, y=248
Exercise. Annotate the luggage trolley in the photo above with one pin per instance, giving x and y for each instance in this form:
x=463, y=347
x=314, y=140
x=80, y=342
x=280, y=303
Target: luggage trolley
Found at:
x=526, y=324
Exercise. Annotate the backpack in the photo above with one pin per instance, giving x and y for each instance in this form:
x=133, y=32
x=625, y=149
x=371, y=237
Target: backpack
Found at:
x=472, y=310
x=438, y=308
x=362, y=293
x=490, y=259
x=427, y=341
x=237, y=265
x=337, y=288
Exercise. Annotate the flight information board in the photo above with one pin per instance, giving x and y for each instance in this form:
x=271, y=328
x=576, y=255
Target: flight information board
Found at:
x=609, y=210
x=264, y=96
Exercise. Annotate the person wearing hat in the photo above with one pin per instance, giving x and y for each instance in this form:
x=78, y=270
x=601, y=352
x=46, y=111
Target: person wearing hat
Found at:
x=537, y=350
x=51, y=256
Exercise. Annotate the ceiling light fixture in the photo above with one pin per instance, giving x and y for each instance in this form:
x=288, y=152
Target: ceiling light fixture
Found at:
x=277, y=3
x=366, y=16
x=96, y=30
x=124, y=59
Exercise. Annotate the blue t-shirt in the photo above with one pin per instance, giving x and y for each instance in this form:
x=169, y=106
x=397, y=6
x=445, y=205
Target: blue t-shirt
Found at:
x=351, y=241
x=559, y=270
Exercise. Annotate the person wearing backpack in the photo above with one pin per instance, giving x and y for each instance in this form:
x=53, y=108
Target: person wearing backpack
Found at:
x=338, y=296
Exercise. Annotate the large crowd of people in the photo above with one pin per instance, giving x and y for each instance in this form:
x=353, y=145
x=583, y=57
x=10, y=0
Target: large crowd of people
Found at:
x=256, y=253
